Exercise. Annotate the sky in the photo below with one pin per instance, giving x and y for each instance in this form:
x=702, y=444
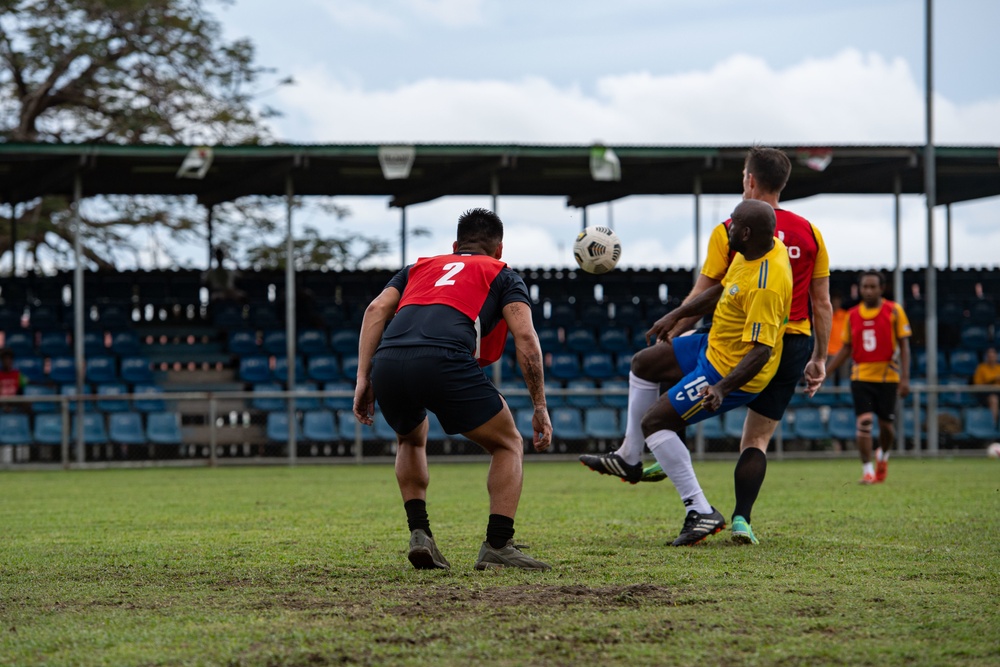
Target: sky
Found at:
x=646, y=72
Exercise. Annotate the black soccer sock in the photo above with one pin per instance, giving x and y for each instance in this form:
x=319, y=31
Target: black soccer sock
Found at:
x=748, y=478
x=416, y=516
x=499, y=529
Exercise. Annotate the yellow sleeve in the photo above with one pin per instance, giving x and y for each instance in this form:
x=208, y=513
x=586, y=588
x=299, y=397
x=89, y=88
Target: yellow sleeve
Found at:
x=902, y=323
x=979, y=377
x=717, y=259
x=821, y=269
x=765, y=315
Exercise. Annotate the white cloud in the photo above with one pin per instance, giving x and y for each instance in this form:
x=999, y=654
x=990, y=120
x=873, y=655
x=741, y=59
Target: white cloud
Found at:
x=848, y=98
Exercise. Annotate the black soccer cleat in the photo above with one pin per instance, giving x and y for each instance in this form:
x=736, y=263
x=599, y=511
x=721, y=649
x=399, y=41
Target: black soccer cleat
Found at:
x=612, y=464
x=699, y=526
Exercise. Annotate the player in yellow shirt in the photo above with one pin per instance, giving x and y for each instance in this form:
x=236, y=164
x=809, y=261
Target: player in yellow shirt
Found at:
x=988, y=373
x=724, y=369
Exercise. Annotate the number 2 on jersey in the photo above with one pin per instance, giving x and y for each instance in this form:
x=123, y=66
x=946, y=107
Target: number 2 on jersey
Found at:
x=451, y=270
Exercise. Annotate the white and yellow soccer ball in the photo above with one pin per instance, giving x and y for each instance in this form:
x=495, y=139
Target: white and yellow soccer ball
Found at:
x=597, y=249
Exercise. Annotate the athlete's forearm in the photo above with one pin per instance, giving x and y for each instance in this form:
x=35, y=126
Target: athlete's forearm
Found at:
x=838, y=358
x=378, y=312
x=529, y=357
x=819, y=293
x=904, y=360
x=746, y=370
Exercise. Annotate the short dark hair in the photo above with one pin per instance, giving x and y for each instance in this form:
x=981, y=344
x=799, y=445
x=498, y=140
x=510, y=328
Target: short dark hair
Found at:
x=479, y=226
x=770, y=167
x=872, y=272
x=6, y=353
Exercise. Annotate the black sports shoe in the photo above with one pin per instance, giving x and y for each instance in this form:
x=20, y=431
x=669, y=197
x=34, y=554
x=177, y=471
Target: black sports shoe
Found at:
x=424, y=554
x=699, y=526
x=612, y=464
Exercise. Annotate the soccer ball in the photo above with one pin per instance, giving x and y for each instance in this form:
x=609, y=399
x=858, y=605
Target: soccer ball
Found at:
x=993, y=451
x=597, y=249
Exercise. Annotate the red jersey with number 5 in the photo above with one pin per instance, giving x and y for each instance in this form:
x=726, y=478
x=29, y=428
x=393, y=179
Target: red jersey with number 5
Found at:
x=873, y=334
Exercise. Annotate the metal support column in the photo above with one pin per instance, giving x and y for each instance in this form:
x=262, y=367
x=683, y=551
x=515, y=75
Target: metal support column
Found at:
x=897, y=283
x=402, y=236
x=697, y=228
x=290, y=316
x=930, y=186
x=78, y=313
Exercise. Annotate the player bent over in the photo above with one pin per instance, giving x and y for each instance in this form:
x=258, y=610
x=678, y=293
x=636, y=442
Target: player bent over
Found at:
x=449, y=317
x=712, y=373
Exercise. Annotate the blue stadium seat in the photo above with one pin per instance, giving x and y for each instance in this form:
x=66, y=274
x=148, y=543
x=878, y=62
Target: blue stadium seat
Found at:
x=41, y=390
x=594, y=315
x=306, y=402
x=43, y=317
x=276, y=343
x=31, y=367
x=975, y=338
x=515, y=401
x=125, y=428
x=602, y=423
x=979, y=424
x=522, y=418
x=583, y=401
x=148, y=404
x=277, y=427
x=732, y=422
x=712, y=429
x=611, y=400
x=15, y=429
x=349, y=366
x=332, y=315
x=311, y=342
x=265, y=403
x=627, y=314
x=324, y=368
x=62, y=370
x=382, y=429
x=841, y=423
x=136, y=370
x=983, y=312
x=21, y=343
x=126, y=343
x=958, y=398
x=101, y=369
x=10, y=316
x=623, y=365
x=319, y=426
x=599, y=366
x=548, y=339
x=114, y=316
x=48, y=429
x=243, y=343
x=94, y=432
x=825, y=395
x=93, y=344
x=920, y=363
x=255, y=369
x=809, y=424
x=54, y=344
x=339, y=402
x=347, y=426
x=163, y=428
x=70, y=390
x=615, y=339
x=567, y=424
x=563, y=315
x=344, y=341
x=963, y=362
x=110, y=404
x=580, y=339
x=227, y=315
x=265, y=316
x=281, y=368
x=565, y=366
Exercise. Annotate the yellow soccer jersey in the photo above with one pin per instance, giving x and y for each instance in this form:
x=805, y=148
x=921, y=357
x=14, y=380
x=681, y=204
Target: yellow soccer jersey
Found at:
x=754, y=306
x=806, y=253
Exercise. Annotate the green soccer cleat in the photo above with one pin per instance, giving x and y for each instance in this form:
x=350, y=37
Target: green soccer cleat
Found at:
x=742, y=532
x=508, y=556
x=653, y=473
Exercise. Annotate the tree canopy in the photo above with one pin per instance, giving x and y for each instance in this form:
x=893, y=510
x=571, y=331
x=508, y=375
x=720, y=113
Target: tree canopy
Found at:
x=130, y=72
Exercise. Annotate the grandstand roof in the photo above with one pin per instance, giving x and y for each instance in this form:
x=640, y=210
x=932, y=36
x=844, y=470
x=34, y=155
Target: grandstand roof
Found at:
x=31, y=170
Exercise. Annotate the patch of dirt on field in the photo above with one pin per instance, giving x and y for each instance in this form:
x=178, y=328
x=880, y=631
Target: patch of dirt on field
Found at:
x=448, y=599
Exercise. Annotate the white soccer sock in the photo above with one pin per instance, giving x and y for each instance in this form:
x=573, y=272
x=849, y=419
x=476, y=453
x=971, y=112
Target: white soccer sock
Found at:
x=868, y=468
x=878, y=453
x=641, y=396
x=675, y=459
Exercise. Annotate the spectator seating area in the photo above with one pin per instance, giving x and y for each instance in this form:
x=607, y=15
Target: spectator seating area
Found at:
x=157, y=333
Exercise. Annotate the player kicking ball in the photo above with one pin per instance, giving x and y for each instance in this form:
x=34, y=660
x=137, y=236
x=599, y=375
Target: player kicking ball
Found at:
x=710, y=373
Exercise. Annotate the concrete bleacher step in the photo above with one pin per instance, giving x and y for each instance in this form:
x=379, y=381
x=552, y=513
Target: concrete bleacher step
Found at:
x=198, y=353
x=225, y=435
x=211, y=379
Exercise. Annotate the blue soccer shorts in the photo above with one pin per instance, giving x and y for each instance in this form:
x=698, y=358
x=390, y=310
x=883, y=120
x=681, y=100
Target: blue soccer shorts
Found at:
x=698, y=372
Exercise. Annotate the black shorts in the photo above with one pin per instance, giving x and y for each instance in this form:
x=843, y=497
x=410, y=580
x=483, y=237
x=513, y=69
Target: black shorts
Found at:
x=877, y=397
x=796, y=349
x=408, y=381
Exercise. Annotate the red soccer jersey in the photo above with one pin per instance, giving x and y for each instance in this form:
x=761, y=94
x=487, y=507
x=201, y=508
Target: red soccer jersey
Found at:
x=10, y=383
x=462, y=282
x=874, y=335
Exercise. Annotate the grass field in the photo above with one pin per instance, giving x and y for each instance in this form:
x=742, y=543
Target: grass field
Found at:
x=307, y=566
